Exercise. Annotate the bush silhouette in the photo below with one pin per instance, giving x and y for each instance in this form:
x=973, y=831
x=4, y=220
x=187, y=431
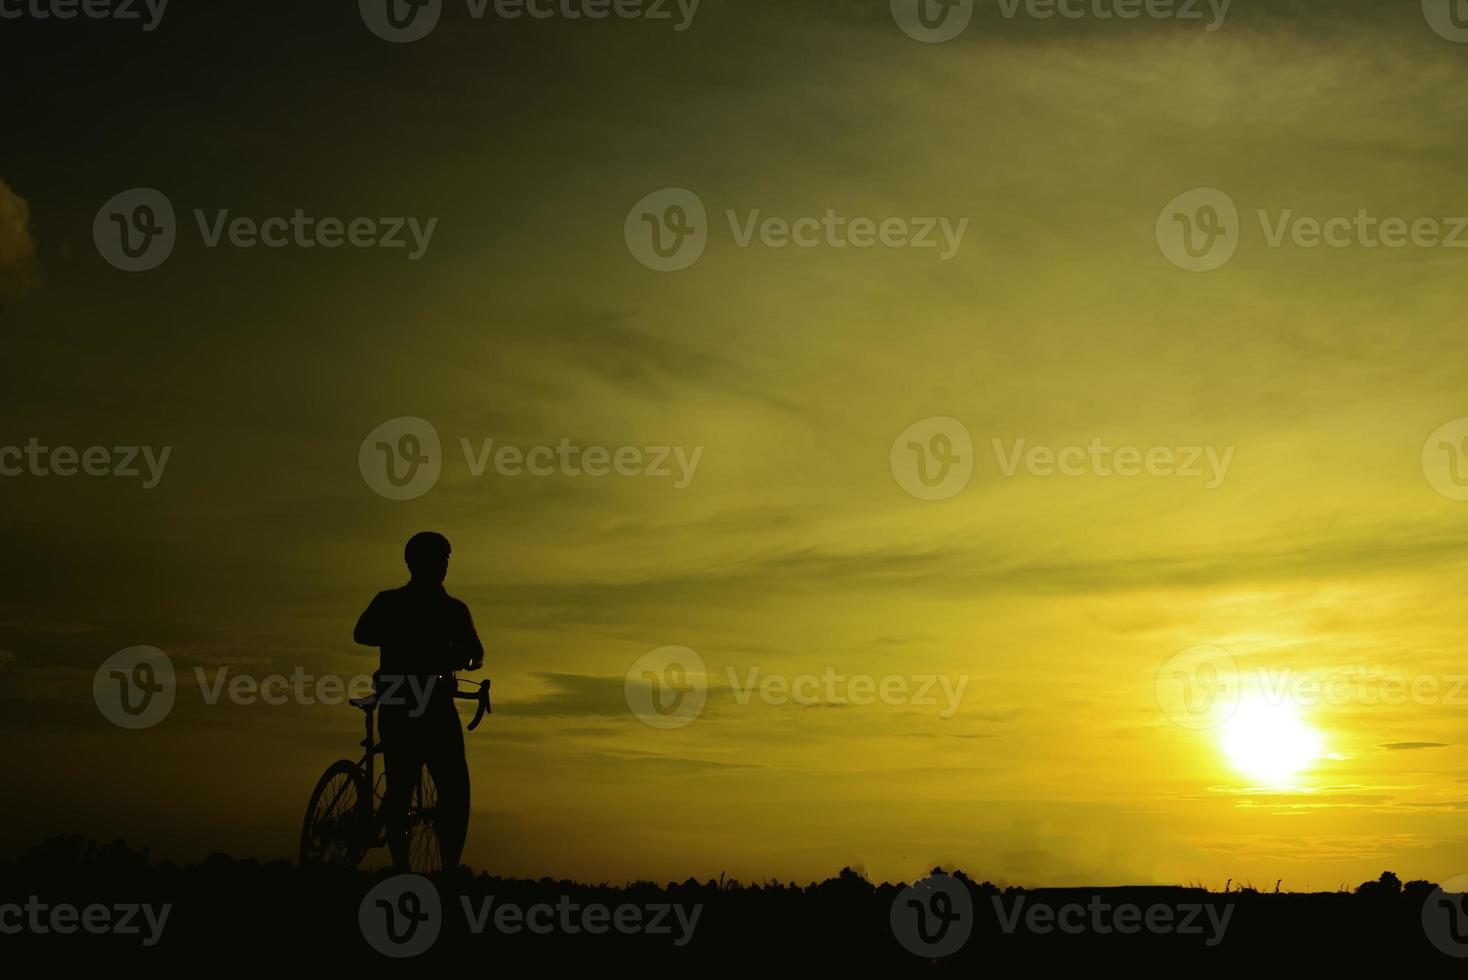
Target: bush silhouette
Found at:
x=1387, y=886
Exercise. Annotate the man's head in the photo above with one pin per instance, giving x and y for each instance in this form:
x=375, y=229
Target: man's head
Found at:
x=427, y=555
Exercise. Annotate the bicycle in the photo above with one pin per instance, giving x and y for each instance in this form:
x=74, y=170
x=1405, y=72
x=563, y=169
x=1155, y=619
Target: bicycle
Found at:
x=344, y=821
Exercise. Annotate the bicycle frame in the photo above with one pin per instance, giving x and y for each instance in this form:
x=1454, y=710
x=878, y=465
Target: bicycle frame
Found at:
x=348, y=834
x=373, y=747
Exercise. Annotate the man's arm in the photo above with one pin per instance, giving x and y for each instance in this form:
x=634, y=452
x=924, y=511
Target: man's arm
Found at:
x=469, y=643
x=371, y=625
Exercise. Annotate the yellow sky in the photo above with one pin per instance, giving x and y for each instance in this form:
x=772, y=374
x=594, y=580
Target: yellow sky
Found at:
x=1055, y=600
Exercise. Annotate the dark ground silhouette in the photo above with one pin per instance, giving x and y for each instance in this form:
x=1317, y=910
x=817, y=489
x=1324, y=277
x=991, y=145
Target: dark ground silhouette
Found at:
x=236, y=913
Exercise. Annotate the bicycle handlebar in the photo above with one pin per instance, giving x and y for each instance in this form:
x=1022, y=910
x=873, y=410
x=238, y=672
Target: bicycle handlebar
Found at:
x=480, y=695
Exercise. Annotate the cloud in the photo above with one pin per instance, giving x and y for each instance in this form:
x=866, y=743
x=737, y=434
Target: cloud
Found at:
x=573, y=696
x=1403, y=746
x=17, y=248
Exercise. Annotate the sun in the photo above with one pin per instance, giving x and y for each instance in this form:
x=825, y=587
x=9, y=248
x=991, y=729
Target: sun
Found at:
x=1268, y=742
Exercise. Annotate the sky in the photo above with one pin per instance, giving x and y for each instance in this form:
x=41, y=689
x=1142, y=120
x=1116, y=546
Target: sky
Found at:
x=1299, y=519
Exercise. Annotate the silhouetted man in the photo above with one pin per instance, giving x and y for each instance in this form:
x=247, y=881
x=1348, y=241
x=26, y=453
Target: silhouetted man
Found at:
x=425, y=635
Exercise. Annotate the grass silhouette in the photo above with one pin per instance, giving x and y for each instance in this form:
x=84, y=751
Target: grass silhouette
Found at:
x=263, y=913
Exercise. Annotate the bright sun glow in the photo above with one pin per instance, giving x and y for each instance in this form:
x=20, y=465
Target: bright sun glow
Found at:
x=1268, y=742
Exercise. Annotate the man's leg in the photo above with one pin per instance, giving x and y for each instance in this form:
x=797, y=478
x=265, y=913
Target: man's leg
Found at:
x=451, y=775
x=402, y=760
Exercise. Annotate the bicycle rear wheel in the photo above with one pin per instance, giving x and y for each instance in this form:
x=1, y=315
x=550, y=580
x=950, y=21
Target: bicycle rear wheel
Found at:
x=338, y=818
x=424, y=853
